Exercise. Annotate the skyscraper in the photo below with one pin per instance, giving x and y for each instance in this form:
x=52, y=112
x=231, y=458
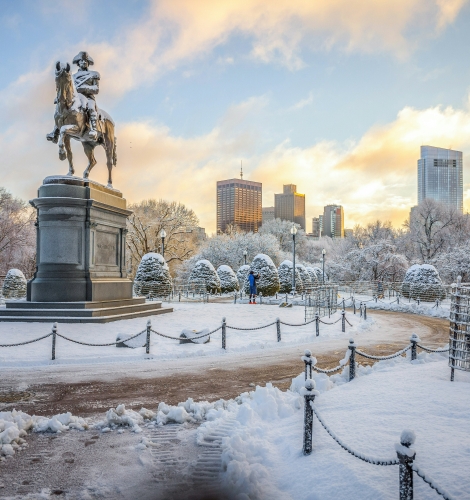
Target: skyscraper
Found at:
x=440, y=176
x=316, y=226
x=239, y=204
x=333, y=221
x=290, y=205
x=268, y=214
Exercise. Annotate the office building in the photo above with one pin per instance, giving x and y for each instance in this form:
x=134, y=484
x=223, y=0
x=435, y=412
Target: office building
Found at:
x=290, y=205
x=268, y=214
x=333, y=221
x=238, y=205
x=440, y=176
x=316, y=226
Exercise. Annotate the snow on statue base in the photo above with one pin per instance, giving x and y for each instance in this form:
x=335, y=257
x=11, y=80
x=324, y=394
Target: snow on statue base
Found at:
x=81, y=267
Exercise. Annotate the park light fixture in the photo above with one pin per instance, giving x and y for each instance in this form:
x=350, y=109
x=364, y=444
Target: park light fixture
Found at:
x=163, y=236
x=293, y=231
x=323, y=252
x=245, y=253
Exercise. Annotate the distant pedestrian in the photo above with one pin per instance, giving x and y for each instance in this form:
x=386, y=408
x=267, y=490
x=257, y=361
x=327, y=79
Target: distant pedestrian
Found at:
x=252, y=277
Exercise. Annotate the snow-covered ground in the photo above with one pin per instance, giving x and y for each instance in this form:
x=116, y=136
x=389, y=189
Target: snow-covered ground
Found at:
x=195, y=316
x=261, y=434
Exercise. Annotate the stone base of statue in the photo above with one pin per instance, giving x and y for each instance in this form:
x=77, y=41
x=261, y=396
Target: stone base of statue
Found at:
x=81, y=269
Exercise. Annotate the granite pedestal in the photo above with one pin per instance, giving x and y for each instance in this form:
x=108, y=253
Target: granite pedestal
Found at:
x=81, y=265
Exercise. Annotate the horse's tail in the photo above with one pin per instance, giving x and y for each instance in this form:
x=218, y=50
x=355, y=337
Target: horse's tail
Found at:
x=115, y=151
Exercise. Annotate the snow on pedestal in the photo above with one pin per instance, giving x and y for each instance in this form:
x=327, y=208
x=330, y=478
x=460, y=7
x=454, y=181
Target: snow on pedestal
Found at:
x=204, y=274
x=423, y=282
x=153, y=276
x=228, y=279
x=14, y=285
x=285, y=277
x=242, y=275
x=268, y=283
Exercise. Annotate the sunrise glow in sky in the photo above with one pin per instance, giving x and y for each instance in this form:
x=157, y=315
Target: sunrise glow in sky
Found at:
x=335, y=96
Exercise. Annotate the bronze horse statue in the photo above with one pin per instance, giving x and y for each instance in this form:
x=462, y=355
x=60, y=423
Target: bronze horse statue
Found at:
x=71, y=119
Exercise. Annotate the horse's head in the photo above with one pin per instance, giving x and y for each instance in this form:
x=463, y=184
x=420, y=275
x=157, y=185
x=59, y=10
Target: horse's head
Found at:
x=64, y=84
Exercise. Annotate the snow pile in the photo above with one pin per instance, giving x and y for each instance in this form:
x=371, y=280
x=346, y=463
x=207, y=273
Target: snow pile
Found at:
x=14, y=285
x=134, y=343
x=152, y=276
x=285, y=277
x=189, y=336
x=14, y=426
x=423, y=282
x=204, y=275
x=423, y=309
x=228, y=279
x=120, y=417
x=268, y=283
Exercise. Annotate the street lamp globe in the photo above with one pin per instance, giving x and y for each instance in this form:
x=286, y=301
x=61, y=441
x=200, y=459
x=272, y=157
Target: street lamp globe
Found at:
x=245, y=253
x=323, y=252
x=293, y=230
x=162, y=233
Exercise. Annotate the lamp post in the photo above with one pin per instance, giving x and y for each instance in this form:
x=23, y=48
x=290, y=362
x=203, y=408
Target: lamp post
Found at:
x=163, y=236
x=293, y=231
x=245, y=253
x=323, y=252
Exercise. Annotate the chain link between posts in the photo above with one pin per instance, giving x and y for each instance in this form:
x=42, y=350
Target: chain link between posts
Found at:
x=349, y=450
x=369, y=356
x=100, y=345
x=429, y=481
x=27, y=342
x=192, y=338
x=445, y=349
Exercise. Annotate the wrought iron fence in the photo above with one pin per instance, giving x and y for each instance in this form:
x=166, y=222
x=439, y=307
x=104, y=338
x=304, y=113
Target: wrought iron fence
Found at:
x=459, y=328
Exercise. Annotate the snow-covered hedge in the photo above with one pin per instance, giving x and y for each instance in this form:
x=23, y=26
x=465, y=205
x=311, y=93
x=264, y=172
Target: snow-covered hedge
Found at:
x=14, y=285
x=268, y=283
x=152, y=276
x=423, y=282
x=285, y=277
x=204, y=274
x=313, y=275
x=306, y=279
x=242, y=275
x=228, y=279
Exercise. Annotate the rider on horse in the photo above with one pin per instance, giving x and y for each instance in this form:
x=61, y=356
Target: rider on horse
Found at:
x=87, y=84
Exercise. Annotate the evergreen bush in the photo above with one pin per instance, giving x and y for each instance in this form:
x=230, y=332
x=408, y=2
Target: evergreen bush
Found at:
x=204, y=275
x=285, y=277
x=14, y=285
x=228, y=279
x=268, y=283
x=242, y=275
x=152, y=277
x=306, y=279
x=423, y=282
x=313, y=276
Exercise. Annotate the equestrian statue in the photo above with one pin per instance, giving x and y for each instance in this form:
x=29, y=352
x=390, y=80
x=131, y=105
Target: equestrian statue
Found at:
x=77, y=116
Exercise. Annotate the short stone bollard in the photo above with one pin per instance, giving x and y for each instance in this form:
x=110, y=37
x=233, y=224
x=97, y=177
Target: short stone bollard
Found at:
x=309, y=394
x=352, y=360
x=224, y=333
x=414, y=339
x=406, y=456
x=343, y=321
x=147, y=343
x=54, y=335
x=309, y=361
x=317, y=324
x=278, y=329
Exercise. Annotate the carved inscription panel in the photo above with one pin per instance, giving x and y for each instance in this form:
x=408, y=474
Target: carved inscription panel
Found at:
x=106, y=248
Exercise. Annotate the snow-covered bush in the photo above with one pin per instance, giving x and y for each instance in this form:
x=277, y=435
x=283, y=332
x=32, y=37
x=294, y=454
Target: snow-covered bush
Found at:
x=313, y=275
x=242, y=275
x=14, y=285
x=228, y=279
x=204, y=274
x=423, y=282
x=268, y=283
x=319, y=274
x=306, y=279
x=152, y=276
x=285, y=277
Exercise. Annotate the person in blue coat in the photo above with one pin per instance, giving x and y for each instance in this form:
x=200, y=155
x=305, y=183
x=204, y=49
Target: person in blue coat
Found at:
x=252, y=277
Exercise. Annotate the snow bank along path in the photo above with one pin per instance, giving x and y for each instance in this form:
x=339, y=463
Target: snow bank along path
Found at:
x=253, y=335
x=262, y=432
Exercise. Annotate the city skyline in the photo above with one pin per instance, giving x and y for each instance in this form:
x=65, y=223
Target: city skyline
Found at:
x=334, y=98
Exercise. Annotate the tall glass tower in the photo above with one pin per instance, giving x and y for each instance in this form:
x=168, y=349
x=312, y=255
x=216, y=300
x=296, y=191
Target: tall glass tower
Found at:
x=440, y=176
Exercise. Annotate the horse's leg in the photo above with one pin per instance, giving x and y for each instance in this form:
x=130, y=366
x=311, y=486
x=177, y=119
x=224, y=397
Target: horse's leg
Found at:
x=109, y=148
x=64, y=130
x=69, y=154
x=89, y=148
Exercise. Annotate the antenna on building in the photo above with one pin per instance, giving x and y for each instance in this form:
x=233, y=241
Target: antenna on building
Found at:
x=241, y=169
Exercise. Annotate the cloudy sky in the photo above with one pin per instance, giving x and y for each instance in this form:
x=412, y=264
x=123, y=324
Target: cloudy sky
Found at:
x=335, y=96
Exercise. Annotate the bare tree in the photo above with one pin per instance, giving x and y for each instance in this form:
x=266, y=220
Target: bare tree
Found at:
x=145, y=224
x=432, y=228
x=17, y=234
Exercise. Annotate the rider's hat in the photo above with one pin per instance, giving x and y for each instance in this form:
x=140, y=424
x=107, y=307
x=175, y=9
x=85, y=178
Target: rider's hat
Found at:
x=83, y=55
